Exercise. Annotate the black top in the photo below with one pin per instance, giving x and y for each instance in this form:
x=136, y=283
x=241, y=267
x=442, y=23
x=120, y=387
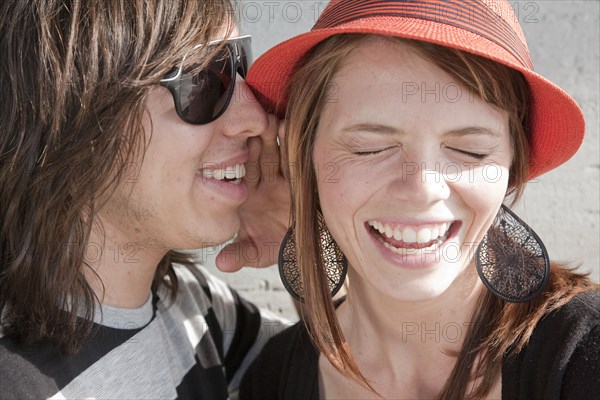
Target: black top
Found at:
x=561, y=360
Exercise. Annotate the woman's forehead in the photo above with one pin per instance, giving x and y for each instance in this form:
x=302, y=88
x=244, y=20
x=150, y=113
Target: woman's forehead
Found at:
x=393, y=84
x=393, y=62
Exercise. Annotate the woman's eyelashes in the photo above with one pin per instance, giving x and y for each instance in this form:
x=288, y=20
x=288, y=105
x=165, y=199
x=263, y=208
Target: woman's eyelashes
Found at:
x=477, y=156
x=372, y=152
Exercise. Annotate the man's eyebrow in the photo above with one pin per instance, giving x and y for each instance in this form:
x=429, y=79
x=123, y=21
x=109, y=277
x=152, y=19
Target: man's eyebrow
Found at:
x=372, y=128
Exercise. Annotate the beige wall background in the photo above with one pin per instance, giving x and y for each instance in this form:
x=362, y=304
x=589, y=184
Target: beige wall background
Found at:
x=562, y=206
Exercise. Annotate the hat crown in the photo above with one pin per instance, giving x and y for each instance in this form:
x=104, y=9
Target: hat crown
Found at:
x=486, y=28
x=494, y=20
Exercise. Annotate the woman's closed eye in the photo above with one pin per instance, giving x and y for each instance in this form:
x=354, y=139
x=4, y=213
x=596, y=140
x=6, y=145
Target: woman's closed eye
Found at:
x=372, y=152
x=478, y=156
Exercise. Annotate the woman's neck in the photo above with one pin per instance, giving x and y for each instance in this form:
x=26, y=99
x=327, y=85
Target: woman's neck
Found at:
x=413, y=342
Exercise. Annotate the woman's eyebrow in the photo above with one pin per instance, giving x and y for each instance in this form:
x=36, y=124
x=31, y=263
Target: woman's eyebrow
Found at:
x=373, y=128
x=390, y=130
x=473, y=130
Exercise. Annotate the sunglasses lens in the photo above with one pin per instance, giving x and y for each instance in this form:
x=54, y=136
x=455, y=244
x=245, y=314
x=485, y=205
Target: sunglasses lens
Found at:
x=245, y=49
x=203, y=96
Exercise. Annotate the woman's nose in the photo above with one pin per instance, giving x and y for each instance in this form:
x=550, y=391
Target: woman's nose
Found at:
x=420, y=183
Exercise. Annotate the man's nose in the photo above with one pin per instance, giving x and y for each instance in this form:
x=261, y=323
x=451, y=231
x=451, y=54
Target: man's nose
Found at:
x=244, y=115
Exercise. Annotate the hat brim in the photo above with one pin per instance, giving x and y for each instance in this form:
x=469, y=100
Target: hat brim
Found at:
x=558, y=125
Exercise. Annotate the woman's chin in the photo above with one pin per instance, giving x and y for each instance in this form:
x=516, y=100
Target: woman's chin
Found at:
x=429, y=287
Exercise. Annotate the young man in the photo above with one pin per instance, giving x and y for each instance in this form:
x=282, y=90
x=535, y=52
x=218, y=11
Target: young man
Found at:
x=125, y=132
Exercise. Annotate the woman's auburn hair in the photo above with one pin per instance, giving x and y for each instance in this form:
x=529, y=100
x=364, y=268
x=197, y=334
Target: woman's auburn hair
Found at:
x=499, y=328
x=74, y=77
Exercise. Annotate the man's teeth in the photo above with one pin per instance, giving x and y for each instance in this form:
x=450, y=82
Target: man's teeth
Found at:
x=410, y=235
x=237, y=171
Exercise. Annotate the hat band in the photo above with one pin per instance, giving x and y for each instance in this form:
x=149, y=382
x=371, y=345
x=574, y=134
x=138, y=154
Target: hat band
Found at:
x=473, y=16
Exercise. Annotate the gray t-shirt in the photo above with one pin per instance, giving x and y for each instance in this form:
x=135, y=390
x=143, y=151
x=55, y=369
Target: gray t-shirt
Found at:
x=195, y=347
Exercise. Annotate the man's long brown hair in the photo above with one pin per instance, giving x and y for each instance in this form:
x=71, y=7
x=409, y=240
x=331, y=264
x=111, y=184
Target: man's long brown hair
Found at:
x=498, y=328
x=74, y=75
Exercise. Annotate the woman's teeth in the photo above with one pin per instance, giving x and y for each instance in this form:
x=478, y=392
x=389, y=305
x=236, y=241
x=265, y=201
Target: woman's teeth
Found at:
x=399, y=239
x=233, y=174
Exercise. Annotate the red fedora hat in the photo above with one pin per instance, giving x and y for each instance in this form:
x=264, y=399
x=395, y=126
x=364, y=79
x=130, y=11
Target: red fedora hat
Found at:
x=488, y=28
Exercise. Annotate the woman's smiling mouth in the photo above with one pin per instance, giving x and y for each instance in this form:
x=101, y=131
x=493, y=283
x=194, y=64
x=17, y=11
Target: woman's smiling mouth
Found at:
x=414, y=241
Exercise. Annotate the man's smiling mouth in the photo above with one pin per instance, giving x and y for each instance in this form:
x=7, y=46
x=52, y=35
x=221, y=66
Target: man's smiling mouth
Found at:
x=231, y=174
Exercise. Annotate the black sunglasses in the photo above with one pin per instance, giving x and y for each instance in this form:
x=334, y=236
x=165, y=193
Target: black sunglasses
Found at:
x=202, y=97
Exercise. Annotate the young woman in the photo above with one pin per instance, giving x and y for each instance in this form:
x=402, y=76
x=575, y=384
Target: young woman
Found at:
x=409, y=126
x=119, y=144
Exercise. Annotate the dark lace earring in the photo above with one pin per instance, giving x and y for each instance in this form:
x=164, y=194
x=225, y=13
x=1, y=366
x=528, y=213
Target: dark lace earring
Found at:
x=336, y=264
x=511, y=259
